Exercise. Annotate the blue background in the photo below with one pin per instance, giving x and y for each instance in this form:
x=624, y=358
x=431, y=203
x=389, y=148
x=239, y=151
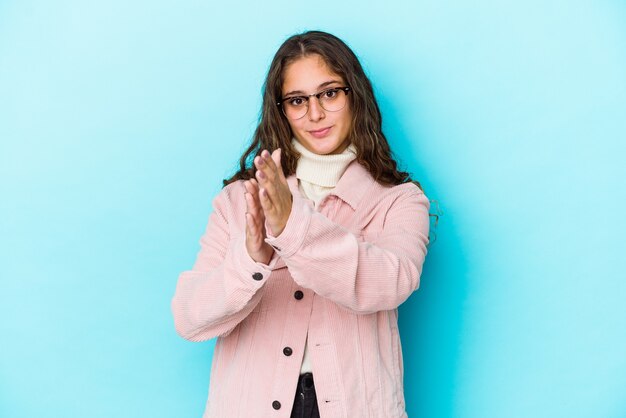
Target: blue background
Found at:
x=119, y=119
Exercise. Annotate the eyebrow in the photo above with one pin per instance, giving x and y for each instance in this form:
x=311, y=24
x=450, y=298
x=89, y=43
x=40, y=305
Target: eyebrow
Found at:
x=321, y=86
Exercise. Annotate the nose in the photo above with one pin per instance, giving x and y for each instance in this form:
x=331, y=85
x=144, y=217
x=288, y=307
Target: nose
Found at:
x=316, y=112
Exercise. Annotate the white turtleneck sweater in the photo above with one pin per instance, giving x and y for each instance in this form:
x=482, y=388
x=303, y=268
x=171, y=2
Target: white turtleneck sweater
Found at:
x=317, y=176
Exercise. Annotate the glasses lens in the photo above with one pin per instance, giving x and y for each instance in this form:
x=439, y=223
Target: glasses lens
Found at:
x=295, y=108
x=333, y=100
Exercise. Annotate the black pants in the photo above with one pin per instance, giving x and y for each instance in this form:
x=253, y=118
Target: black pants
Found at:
x=305, y=404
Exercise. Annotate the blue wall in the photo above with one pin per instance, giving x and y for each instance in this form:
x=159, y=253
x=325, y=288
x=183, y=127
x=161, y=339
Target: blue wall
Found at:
x=119, y=119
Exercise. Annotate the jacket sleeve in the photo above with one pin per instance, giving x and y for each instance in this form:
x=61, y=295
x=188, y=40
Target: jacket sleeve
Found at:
x=362, y=276
x=223, y=286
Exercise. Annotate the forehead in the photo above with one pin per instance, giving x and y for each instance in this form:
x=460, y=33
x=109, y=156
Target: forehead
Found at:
x=307, y=74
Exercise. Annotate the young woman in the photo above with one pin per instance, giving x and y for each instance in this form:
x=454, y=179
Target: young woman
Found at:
x=312, y=246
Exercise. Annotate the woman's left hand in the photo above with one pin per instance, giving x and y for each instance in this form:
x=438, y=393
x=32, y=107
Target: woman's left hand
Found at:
x=274, y=194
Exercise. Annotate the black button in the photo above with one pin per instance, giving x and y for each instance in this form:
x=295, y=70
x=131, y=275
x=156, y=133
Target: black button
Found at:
x=257, y=276
x=287, y=351
x=276, y=405
x=298, y=295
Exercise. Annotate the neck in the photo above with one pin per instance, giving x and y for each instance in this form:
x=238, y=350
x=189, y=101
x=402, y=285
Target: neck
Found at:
x=322, y=170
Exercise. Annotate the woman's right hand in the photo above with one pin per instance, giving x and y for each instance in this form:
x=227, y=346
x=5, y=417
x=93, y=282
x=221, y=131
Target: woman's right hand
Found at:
x=259, y=250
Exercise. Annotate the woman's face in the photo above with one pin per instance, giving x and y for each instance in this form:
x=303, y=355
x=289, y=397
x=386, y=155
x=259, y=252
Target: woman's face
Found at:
x=320, y=131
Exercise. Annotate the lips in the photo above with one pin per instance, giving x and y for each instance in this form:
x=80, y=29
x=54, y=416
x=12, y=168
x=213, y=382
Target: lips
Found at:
x=320, y=133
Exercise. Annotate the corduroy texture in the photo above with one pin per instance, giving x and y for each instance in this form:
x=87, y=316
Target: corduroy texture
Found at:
x=355, y=259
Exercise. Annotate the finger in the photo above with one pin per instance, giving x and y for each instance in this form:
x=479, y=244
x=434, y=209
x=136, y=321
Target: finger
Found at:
x=267, y=174
x=250, y=186
x=265, y=165
x=276, y=157
x=253, y=225
x=253, y=206
x=266, y=202
x=256, y=223
x=278, y=181
x=252, y=228
x=249, y=201
x=264, y=180
x=259, y=175
x=271, y=162
x=259, y=164
x=254, y=184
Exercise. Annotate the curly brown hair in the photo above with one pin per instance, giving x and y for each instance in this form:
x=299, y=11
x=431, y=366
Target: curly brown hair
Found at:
x=273, y=131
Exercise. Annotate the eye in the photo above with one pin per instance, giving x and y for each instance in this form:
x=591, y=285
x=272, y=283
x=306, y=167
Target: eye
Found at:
x=295, y=101
x=330, y=93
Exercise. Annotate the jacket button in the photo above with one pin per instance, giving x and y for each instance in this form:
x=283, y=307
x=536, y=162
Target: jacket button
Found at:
x=257, y=276
x=287, y=351
x=276, y=405
x=298, y=295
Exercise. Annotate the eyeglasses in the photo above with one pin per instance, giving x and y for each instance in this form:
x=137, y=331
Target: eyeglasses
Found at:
x=331, y=100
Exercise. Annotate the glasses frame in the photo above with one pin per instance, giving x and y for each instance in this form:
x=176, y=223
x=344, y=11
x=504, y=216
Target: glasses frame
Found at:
x=306, y=97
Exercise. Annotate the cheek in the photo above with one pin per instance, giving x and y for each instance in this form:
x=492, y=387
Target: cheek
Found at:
x=347, y=113
x=294, y=125
x=347, y=120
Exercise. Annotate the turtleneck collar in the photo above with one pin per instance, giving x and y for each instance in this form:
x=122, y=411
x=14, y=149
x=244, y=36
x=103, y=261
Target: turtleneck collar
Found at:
x=322, y=170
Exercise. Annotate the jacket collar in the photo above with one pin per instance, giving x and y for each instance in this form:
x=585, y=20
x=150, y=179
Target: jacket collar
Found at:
x=351, y=188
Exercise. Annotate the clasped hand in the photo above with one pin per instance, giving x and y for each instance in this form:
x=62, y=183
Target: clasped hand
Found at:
x=268, y=202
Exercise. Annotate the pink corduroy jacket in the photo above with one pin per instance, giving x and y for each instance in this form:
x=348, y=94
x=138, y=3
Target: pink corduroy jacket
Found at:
x=338, y=275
